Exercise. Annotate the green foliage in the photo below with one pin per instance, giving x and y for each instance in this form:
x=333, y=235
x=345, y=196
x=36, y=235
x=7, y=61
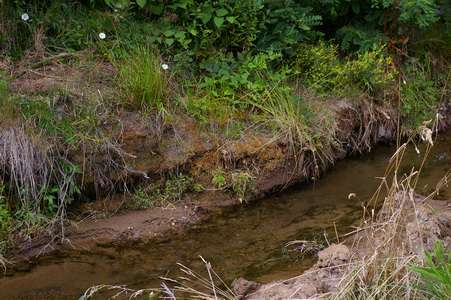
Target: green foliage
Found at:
x=321, y=68
x=238, y=182
x=51, y=115
x=370, y=72
x=3, y=88
x=420, y=94
x=172, y=190
x=226, y=75
x=285, y=24
x=206, y=109
x=142, y=79
x=204, y=26
x=436, y=273
x=195, y=29
x=7, y=106
x=219, y=179
x=360, y=38
x=421, y=13
x=241, y=182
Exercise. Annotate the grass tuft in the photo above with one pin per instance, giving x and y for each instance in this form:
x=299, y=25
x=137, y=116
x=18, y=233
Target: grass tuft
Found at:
x=142, y=79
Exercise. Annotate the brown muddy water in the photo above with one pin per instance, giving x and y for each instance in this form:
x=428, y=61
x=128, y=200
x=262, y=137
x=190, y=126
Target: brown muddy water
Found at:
x=246, y=241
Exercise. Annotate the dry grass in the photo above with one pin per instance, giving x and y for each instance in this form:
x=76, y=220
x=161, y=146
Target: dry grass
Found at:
x=27, y=166
x=389, y=240
x=41, y=181
x=191, y=285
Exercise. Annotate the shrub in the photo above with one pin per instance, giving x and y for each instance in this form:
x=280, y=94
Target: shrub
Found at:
x=321, y=69
x=370, y=73
x=142, y=79
x=317, y=66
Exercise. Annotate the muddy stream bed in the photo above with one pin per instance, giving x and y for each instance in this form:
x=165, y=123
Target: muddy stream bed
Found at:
x=244, y=241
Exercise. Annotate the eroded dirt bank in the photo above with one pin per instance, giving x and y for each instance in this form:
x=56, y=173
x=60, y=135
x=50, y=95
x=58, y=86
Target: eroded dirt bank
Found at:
x=184, y=147
x=427, y=222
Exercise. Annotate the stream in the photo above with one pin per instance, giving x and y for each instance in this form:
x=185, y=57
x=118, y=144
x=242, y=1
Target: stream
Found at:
x=246, y=241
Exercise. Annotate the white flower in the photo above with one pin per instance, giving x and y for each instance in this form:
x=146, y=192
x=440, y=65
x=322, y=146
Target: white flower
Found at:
x=25, y=17
x=102, y=35
x=164, y=66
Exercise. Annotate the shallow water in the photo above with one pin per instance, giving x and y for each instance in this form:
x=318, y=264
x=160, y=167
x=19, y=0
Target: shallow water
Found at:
x=247, y=241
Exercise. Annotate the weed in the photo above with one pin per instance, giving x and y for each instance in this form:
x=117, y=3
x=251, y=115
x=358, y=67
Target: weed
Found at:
x=435, y=274
x=206, y=109
x=219, y=179
x=142, y=79
x=241, y=182
x=142, y=198
x=171, y=191
x=238, y=182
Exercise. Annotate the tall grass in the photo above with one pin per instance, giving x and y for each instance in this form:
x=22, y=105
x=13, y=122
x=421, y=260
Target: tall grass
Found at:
x=142, y=79
x=298, y=123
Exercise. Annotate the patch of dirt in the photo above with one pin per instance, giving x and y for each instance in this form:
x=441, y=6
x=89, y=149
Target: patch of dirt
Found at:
x=97, y=235
x=80, y=77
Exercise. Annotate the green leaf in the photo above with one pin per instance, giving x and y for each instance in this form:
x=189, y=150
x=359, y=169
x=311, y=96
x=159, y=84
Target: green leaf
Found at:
x=193, y=31
x=221, y=12
x=169, y=33
x=355, y=7
x=231, y=19
x=205, y=16
x=169, y=42
x=118, y=4
x=218, y=21
x=141, y=3
x=180, y=35
x=156, y=9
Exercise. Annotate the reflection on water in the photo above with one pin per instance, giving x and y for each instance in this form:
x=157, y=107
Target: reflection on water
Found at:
x=246, y=241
